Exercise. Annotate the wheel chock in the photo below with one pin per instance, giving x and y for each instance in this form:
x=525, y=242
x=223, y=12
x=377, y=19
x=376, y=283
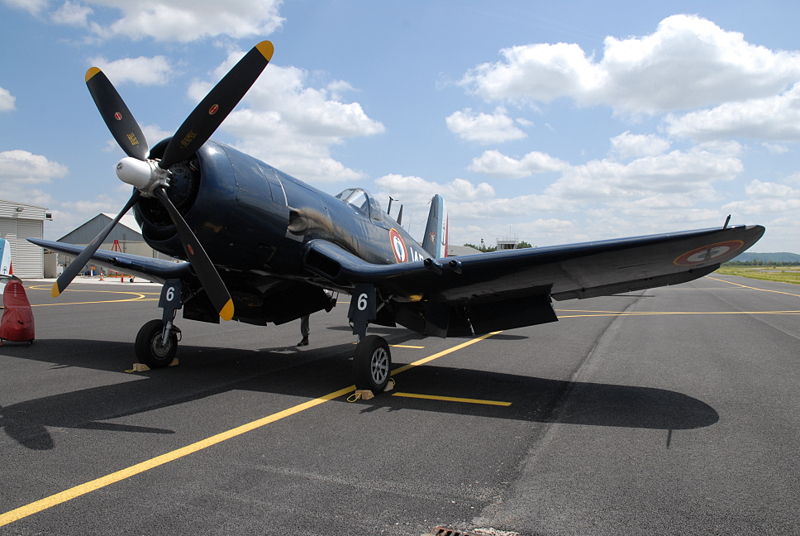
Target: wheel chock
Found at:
x=138, y=367
x=361, y=394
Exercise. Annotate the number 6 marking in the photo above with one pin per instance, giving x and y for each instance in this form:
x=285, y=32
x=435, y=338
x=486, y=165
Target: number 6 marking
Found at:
x=170, y=294
x=362, y=301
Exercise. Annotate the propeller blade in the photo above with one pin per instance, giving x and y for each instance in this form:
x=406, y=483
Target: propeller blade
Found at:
x=216, y=106
x=203, y=267
x=80, y=261
x=118, y=118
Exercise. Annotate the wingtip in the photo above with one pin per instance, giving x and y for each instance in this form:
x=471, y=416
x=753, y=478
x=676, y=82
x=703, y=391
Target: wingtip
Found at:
x=226, y=313
x=266, y=48
x=55, y=292
x=91, y=72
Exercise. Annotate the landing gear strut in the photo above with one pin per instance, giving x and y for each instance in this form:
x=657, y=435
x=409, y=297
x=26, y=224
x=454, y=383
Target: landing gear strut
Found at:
x=372, y=362
x=157, y=341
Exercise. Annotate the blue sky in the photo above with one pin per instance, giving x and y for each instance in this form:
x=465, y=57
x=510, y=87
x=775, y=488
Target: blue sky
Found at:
x=551, y=122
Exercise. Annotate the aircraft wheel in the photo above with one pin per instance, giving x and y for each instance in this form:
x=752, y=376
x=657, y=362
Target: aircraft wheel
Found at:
x=372, y=363
x=149, y=347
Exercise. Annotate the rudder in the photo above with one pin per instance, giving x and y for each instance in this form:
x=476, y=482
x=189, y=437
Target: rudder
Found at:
x=435, y=239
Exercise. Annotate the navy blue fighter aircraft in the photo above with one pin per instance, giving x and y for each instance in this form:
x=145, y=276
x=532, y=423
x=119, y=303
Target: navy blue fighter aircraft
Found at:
x=260, y=246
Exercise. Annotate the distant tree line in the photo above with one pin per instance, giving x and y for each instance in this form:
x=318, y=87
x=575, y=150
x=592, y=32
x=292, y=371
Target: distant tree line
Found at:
x=757, y=262
x=486, y=249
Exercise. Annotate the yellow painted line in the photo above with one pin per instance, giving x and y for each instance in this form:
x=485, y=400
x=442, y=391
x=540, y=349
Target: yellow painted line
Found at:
x=677, y=313
x=755, y=288
x=454, y=399
x=45, y=287
x=403, y=346
x=442, y=353
x=141, y=299
x=117, y=476
x=137, y=296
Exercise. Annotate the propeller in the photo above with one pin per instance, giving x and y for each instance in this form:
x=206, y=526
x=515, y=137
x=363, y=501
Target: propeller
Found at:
x=80, y=261
x=151, y=177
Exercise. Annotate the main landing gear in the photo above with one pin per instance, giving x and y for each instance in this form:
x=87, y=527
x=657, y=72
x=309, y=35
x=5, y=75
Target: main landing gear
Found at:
x=372, y=362
x=157, y=341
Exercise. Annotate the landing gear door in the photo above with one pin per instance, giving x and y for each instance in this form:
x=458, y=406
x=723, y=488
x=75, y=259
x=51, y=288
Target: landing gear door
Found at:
x=170, y=299
x=362, y=308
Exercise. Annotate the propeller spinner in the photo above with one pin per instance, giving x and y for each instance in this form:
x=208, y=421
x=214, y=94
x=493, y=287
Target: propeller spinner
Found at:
x=151, y=177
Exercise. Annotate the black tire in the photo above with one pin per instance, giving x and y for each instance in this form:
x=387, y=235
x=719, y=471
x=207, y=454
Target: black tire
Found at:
x=149, y=349
x=372, y=363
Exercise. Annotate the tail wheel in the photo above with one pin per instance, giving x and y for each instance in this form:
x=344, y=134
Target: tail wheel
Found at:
x=372, y=363
x=151, y=349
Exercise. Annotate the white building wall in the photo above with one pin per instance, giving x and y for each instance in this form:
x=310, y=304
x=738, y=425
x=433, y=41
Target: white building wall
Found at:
x=19, y=221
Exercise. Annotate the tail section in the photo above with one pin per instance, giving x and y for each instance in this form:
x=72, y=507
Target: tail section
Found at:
x=435, y=239
x=5, y=257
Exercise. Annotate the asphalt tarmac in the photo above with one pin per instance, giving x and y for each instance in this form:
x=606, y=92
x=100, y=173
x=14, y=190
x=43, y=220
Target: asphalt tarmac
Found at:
x=666, y=411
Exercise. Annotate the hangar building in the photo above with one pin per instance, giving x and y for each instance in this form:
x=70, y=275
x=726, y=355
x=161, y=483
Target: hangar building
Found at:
x=19, y=221
x=126, y=235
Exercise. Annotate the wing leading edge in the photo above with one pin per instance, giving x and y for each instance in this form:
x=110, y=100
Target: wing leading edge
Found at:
x=157, y=270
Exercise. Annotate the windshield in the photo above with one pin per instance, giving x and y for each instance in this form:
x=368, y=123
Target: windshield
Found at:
x=356, y=197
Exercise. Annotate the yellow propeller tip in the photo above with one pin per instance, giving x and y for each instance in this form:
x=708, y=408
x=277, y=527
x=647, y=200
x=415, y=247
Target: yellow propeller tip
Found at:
x=266, y=48
x=91, y=72
x=226, y=313
x=54, y=292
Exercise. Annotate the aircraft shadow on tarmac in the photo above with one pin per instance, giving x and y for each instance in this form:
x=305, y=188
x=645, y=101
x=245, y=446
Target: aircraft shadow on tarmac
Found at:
x=208, y=371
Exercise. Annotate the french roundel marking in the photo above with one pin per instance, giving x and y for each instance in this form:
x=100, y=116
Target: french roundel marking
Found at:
x=118, y=116
x=708, y=253
x=214, y=109
x=398, y=246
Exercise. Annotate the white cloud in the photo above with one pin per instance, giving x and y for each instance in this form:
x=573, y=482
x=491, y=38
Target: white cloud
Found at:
x=688, y=62
x=628, y=145
x=775, y=148
x=677, y=178
x=71, y=13
x=190, y=20
x=771, y=202
x=293, y=126
x=771, y=190
x=773, y=118
x=496, y=164
x=7, y=100
x=540, y=72
x=483, y=128
x=142, y=71
x=417, y=189
x=34, y=7
x=22, y=167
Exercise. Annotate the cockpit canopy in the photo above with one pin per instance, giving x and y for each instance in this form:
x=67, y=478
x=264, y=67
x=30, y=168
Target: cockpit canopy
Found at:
x=360, y=200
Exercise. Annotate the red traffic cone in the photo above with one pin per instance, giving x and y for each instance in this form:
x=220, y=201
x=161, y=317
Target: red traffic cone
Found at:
x=17, y=321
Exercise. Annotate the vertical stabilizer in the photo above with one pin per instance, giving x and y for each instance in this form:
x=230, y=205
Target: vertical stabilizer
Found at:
x=5, y=257
x=435, y=239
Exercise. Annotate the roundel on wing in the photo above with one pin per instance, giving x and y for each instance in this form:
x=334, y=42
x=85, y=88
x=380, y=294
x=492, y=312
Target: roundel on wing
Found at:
x=708, y=253
x=398, y=246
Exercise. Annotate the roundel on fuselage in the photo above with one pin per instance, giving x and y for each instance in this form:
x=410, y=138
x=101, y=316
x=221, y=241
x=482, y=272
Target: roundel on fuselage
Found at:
x=398, y=246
